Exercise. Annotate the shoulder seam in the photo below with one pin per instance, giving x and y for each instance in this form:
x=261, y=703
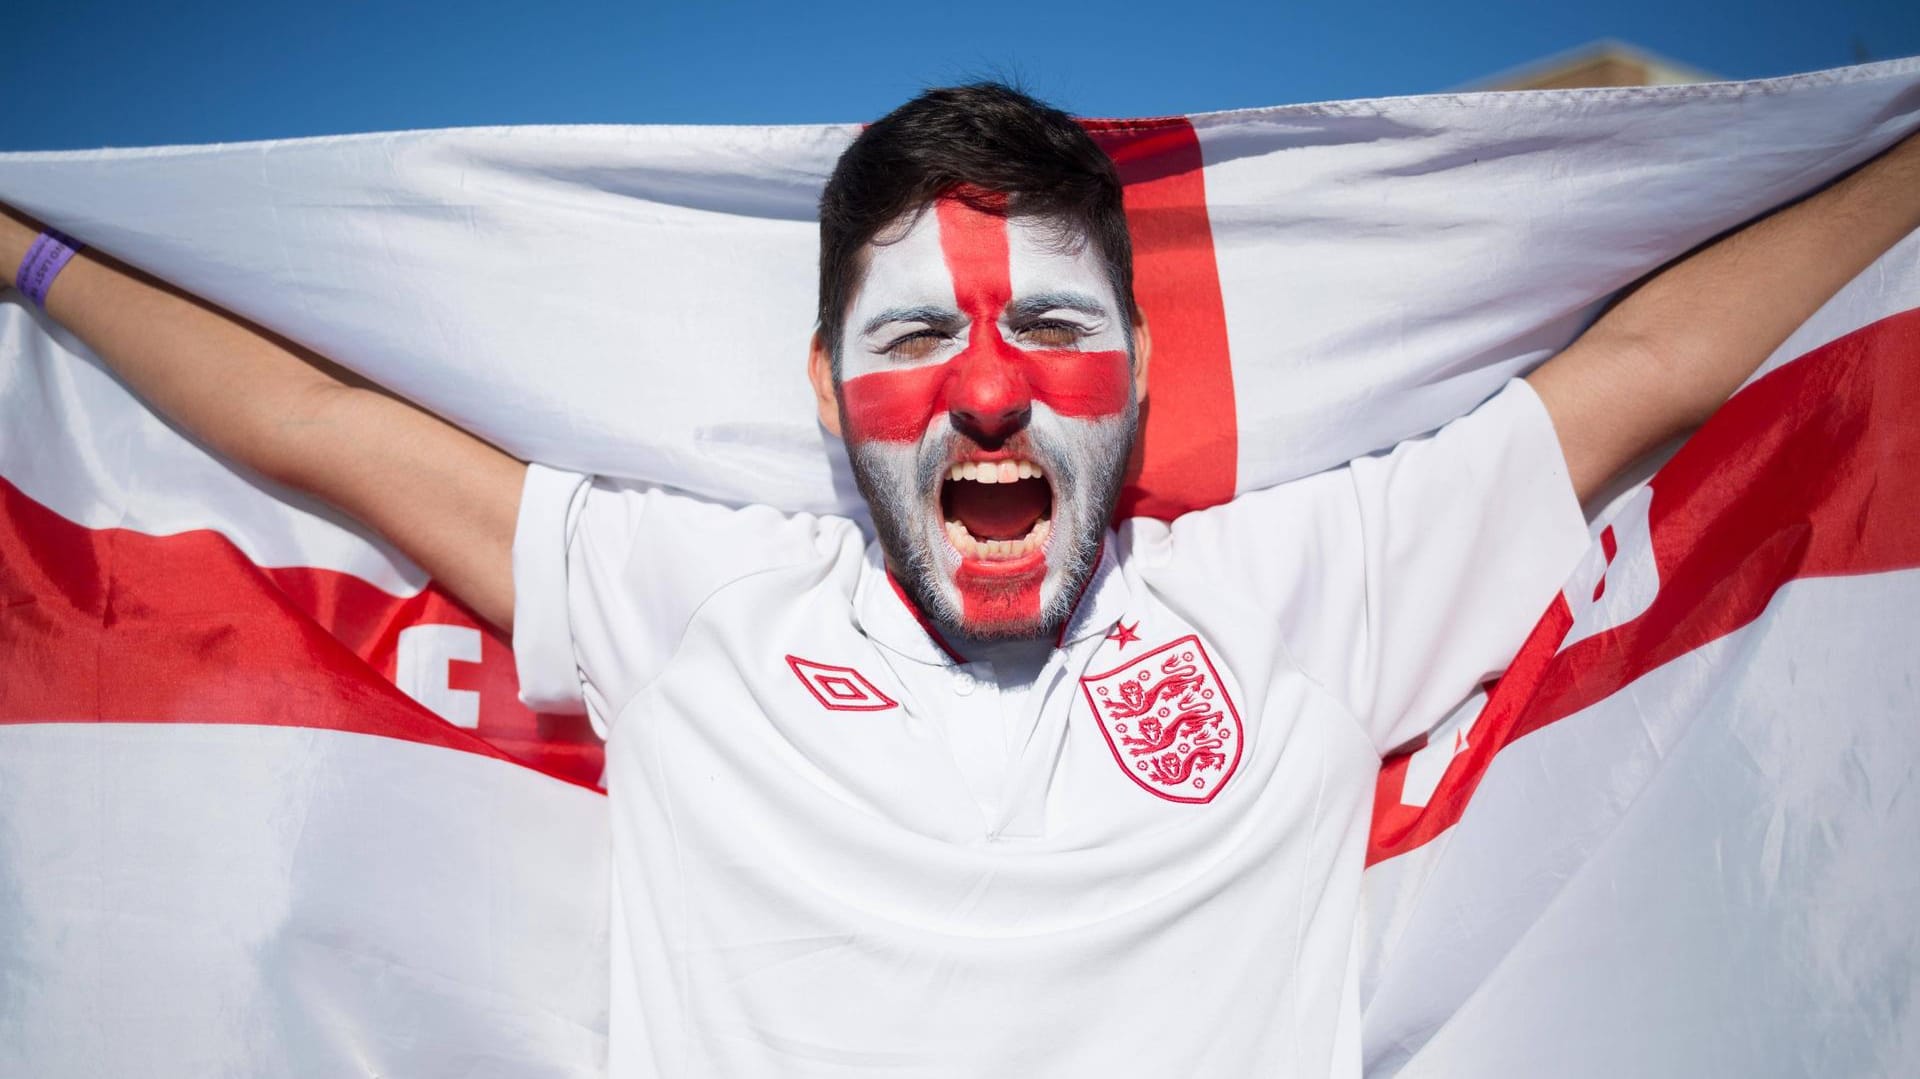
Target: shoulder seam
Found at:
x=680, y=635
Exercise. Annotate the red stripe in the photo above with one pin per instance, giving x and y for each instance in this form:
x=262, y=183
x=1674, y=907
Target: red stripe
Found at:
x=993, y=377
x=1188, y=453
x=974, y=243
x=1812, y=471
x=111, y=625
x=1608, y=546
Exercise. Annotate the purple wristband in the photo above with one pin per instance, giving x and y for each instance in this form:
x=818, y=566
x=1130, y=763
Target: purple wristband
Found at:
x=49, y=255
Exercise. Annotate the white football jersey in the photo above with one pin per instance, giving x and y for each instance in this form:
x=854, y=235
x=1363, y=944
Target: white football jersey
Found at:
x=840, y=850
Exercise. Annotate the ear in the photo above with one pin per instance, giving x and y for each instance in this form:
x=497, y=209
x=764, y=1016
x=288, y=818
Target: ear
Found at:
x=820, y=373
x=1142, y=353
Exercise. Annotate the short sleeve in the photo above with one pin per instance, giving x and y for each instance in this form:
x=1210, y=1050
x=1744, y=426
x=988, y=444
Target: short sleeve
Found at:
x=607, y=575
x=1404, y=580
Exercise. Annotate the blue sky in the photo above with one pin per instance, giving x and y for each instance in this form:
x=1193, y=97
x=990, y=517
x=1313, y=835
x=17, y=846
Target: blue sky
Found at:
x=83, y=74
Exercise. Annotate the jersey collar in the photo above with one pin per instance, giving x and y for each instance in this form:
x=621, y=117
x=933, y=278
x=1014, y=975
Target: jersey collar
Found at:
x=885, y=614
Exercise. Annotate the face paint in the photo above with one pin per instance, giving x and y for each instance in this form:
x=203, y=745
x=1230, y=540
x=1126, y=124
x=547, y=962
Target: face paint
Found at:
x=990, y=378
x=979, y=348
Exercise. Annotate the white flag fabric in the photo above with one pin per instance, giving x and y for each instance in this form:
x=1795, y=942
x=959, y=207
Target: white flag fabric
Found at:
x=269, y=805
x=1688, y=850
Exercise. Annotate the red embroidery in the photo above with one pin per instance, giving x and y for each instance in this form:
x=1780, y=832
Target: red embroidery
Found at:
x=840, y=689
x=1123, y=635
x=1167, y=717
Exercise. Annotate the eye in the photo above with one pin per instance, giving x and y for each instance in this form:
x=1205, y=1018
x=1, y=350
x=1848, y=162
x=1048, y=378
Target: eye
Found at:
x=918, y=345
x=1051, y=333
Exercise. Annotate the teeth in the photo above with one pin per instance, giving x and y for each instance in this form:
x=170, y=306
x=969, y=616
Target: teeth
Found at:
x=998, y=550
x=995, y=471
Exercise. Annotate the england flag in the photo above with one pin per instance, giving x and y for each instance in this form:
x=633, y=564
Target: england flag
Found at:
x=270, y=805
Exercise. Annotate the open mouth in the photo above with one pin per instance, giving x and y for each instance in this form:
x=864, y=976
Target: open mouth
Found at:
x=997, y=511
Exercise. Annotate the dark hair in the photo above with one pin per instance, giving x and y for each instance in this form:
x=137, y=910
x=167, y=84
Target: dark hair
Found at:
x=1029, y=156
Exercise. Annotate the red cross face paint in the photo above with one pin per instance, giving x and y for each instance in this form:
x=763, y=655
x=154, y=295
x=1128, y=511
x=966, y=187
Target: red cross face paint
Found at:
x=988, y=404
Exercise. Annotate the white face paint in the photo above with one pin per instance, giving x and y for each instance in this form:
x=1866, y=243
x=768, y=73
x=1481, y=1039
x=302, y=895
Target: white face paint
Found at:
x=989, y=411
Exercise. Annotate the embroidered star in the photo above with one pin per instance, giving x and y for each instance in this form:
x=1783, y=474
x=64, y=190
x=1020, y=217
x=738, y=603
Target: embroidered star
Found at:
x=1123, y=634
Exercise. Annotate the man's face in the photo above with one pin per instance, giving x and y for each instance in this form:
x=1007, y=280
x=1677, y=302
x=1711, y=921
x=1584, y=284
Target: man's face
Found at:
x=989, y=407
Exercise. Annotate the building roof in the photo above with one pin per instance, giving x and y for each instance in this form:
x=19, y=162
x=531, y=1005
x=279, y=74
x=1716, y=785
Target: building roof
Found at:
x=1599, y=63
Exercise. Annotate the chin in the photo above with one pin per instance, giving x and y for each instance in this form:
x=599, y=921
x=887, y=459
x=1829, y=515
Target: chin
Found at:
x=996, y=544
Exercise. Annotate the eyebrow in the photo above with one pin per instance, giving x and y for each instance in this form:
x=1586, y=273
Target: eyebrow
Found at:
x=1041, y=302
x=931, y=314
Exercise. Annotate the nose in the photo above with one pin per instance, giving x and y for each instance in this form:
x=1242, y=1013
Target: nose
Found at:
x=988, y=398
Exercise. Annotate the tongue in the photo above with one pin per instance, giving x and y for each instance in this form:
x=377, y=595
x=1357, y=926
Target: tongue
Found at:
x=998, y=511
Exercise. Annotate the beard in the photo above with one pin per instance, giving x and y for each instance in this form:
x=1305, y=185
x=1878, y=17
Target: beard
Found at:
x=1084, y=464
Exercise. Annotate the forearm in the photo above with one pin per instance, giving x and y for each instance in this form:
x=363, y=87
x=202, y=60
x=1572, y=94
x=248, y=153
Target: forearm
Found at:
x=251, y=397
x=1714, y=317
x=441, y=495
x=1663, y=358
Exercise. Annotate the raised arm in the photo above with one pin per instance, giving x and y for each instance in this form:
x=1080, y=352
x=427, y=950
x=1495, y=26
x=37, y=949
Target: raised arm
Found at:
x=444, y=497
x=1662, y=359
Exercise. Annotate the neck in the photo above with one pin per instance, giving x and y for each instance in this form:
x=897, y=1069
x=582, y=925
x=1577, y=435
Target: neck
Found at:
x=1029, y=652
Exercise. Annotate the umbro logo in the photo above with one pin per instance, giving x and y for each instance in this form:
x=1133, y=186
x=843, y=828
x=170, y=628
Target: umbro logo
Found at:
x=840, y=689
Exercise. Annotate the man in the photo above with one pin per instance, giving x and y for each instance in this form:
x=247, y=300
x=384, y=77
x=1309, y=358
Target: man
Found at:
x=998, y=789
